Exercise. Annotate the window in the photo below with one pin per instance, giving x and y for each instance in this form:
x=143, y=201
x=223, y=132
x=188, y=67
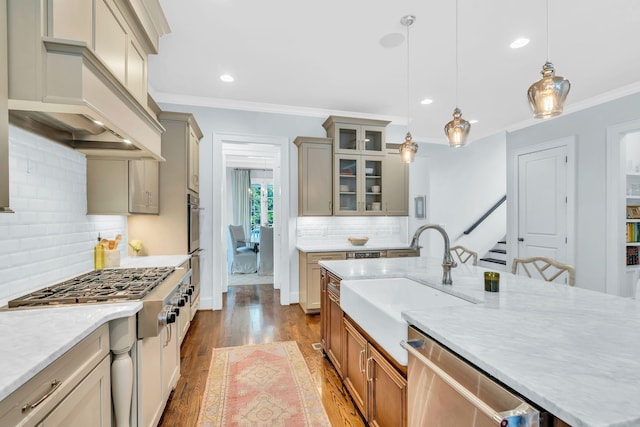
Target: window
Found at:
x=261, y=206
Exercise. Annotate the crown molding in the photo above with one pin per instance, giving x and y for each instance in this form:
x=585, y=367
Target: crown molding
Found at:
x=232, y=104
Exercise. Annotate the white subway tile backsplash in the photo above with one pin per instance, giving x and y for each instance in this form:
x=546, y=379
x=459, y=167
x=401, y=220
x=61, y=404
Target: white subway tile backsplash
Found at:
x=49, y=237
x=378, y=229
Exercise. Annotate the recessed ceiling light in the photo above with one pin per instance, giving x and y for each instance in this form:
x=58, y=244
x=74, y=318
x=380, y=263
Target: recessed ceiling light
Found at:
x=518, y=43
x=426, y=101
x=227, y=78
x=472, y=121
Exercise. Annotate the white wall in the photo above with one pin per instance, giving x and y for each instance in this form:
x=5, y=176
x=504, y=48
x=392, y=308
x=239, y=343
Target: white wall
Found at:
x=217, y=121
x=463, y=184
x=589, y=126
x=49, y=238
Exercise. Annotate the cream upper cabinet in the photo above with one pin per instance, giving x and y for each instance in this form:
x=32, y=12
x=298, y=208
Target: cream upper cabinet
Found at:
x=315, y=176
x=356, y=136
x=194, y=161
x=77, y=71
x=395, y=183
x=358, y=186
x=144, y=187
x=121, y=187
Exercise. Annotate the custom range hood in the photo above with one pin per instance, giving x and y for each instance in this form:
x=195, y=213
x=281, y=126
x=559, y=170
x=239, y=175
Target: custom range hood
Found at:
x=78, y=75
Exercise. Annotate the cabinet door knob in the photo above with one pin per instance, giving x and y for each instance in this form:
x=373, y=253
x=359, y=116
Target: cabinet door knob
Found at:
x=520, y=239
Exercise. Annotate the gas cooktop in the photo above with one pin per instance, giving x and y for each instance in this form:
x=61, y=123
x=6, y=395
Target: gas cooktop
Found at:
x=98, y=286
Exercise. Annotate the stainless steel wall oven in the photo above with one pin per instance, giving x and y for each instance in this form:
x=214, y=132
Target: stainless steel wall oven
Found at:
x=193, y=224
x=193, y=236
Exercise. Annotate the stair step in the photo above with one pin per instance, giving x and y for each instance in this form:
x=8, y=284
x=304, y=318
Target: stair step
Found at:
x=498, y=251
x=494, y=260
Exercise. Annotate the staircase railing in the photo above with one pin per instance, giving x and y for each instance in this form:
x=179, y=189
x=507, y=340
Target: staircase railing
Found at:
x=485, y=215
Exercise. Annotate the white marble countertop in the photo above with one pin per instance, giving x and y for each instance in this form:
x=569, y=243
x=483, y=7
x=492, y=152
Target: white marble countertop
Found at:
x=32, y=339
x=573, y=352
x=345, y=246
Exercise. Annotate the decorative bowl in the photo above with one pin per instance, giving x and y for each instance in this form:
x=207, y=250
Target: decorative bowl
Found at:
x=358, y=241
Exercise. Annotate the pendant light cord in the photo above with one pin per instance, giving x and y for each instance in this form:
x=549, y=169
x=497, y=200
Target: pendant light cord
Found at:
x=408, y=50
x=457, y=53
x=548, y=56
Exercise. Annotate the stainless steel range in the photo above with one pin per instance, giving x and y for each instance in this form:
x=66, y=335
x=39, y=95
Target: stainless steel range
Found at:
x=110, y=285
x=146, y=349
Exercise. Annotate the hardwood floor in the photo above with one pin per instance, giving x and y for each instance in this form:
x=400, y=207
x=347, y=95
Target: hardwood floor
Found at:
x=252, y=314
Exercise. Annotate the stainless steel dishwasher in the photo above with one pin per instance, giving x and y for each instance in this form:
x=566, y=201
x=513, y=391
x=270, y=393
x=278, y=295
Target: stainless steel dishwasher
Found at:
x=444, y=390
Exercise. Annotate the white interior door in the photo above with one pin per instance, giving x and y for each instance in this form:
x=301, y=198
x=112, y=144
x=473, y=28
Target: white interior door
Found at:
x=542, y=204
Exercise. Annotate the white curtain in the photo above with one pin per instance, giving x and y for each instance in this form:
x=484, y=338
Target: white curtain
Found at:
x=241, y=196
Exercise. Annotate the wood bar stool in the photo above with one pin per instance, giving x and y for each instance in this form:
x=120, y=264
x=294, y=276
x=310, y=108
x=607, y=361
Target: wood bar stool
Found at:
x=465, y=254
x=542, y=264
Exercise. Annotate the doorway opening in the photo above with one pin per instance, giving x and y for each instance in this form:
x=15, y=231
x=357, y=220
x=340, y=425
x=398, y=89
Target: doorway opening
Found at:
x=250, y=212
x=623, y=194
x=266, y=153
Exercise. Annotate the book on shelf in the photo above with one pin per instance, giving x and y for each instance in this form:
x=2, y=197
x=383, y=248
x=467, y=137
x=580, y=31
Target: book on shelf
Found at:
x=632, y=255
x=633, y=232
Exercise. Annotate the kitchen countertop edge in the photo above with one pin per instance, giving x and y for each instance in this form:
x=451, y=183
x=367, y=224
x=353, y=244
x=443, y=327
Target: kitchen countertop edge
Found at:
x=29, y=322
x=489, y=336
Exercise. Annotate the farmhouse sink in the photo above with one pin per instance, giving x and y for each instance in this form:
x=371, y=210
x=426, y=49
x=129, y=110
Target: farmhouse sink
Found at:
x=377, y=304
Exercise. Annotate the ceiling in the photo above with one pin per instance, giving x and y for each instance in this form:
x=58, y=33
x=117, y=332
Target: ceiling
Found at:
x=321, y=58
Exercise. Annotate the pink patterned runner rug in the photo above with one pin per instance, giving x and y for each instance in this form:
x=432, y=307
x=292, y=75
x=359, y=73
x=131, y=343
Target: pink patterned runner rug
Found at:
x=261, y=385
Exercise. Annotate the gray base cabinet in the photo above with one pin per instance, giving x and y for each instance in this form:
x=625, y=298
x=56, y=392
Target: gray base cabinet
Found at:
x=310, y=278
x=74, y=390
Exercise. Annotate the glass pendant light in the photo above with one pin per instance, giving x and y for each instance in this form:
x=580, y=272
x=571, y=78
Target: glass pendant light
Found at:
x=458, y=128
x=547, y=95
x=408, y=148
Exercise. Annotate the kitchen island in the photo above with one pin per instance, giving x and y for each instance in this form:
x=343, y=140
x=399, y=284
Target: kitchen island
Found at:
x=573, y=352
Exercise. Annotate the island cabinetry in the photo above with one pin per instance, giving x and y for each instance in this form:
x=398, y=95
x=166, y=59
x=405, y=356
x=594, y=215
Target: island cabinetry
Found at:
x=74, y=390
x=331, y=320
x=356, y=136
x=377, y=387
x=310, y=278
x=355, y=358
x=315, y=182
x=121, y=187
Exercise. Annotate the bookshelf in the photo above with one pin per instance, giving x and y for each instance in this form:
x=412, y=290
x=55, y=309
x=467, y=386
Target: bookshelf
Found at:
x=632, y=198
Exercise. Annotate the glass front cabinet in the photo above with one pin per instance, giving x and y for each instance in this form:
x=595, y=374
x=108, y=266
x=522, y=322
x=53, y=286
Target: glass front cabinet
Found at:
x=357, y=136
x=358, y=189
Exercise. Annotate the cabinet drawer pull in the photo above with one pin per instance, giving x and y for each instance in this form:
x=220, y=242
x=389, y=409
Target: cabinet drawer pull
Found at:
x=54, y=386
x=361, y=360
